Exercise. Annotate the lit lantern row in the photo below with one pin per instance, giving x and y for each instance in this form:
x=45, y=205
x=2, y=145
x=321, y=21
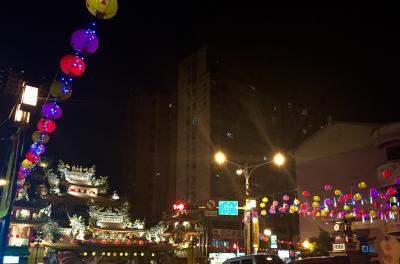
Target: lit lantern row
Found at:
x=363, y=205
x=84, y=42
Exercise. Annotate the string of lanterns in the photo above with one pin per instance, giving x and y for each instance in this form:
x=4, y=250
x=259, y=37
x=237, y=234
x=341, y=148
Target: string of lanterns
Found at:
x=84, y=42
x=363, y=204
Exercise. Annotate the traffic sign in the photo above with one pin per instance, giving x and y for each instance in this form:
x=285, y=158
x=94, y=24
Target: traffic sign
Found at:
x=211, y=204
x=274, y=243
x=228, y=207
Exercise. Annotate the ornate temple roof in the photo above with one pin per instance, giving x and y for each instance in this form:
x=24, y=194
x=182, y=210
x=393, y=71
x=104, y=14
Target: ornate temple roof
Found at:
x=81, y=176
x=33, y=205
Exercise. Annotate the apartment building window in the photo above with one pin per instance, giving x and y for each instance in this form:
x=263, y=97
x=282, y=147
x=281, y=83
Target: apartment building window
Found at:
x=195, y=120
x=194, y=106
x=193, y=164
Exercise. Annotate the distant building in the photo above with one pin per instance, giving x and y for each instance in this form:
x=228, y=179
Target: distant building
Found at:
x=343, y=154
x=149, y=153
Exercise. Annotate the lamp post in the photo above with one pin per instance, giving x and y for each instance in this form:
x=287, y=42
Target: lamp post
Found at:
x=21, y=119
x=251, y=227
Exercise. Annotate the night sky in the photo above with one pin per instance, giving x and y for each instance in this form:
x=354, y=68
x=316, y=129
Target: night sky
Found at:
x=348, y=55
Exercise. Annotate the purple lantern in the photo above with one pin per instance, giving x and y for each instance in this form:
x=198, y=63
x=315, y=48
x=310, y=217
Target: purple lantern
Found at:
x=24, y=170
x=51, y=111
x=85, y=41
x=328, y=201
x=373, y=192
x=37, y=148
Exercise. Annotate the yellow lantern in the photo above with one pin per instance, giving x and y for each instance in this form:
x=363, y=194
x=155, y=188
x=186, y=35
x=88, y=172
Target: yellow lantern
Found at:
x=362, y=185
x=26, y=163
x=324, y=213
x=325, y=210
x=394, y=208
x=263, y=212
x=338, y=192
x=315, y=204
x=357, y=197
x=316, y=198
x=262, y=205
x=372, y=213
x=393, y=199
x=296, y=201
x=264, y=200
x=317, y=214
x=102, y=9
x=346, y=207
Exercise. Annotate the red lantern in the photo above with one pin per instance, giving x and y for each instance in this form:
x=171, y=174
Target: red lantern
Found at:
x=32, y=157
x=349, y=196
x=382, y=195
x=306, y=193
x=391, y=191
x=342, y=199
x=386, y=173
x=72, y=65
x=46, y=125
x=129, y=242
x=377, y=204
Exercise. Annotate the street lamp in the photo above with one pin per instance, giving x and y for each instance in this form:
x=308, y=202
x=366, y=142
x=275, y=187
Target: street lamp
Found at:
x=245, y=170
x=27, y=104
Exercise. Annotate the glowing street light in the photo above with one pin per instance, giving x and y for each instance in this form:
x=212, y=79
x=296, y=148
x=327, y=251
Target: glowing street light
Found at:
x=267, y=232
x=3, y=182
x=279, y=159
x=220, y=157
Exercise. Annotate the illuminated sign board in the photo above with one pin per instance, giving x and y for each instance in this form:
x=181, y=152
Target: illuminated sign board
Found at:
x=274, y=243
x=228, y=207
x=11, y=259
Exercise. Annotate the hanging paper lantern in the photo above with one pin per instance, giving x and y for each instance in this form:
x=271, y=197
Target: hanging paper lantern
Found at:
x=306, y=193
x=315, y=204
x=349, y=196
x=85, y=41
x=393, y=199
x=264, y=200
x=377, y=204
x=357, y=197
x=32, y=157
x=275, y=203
x=60, y=90
x=296, y=201
x=382, y=195
x=46, y=125
x=21, y=176
x=262, y=205
x=373, y=192
x=26, y=163
x=391, y=191
x=37, y=148
x=342, y=199
x=286, y=197
x=346, y=207
x=51, y=111
x=372, y=213
x=338, y=192
x=316, y=198
x=328, y=187
x=386, y=173
x=328, y=201
x=263, y=212
x=304, y=206
x=394, y=207
x=72, y=65
x=272, y=211
x=39, y=137
x=24, y=170
x=102, y=9
x=362, y=185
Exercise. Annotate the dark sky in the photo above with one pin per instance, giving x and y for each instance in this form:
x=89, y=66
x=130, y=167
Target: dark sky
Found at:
x=350, y=54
